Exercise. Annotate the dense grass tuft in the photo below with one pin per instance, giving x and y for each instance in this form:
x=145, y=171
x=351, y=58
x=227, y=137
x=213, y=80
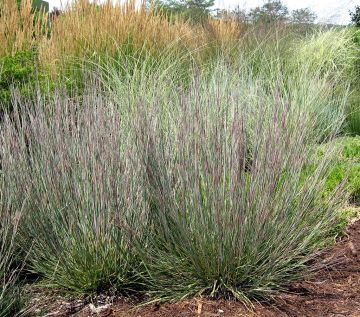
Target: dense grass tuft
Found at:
x=231, y=211
x=74, y=165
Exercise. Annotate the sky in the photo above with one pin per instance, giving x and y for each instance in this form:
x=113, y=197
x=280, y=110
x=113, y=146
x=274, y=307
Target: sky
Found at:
x=328, y=11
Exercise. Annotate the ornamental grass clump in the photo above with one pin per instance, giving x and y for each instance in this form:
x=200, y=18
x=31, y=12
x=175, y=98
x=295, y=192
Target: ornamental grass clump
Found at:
x=21, y=27
x=231, y=212
x=331, y=52
x=88, y=31
x=73, y=163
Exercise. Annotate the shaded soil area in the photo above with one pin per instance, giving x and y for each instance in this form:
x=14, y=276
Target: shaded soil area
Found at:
x=334, y=291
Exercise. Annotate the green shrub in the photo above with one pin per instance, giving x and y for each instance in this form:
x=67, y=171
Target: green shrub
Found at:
x=15, y=71
x=20, y=72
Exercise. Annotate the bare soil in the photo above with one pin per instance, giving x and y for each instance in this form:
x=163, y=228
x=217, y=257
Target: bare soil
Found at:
x=334, y=291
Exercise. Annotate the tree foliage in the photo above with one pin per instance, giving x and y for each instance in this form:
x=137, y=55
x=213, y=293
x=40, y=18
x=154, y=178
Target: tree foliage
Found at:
x=271, y=11
x=355, y=16
x=237, y=14
x=303, y=16
x=37, y=4
x=192, y=10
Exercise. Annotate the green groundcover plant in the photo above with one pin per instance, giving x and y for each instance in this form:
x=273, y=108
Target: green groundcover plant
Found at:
x=347, y=167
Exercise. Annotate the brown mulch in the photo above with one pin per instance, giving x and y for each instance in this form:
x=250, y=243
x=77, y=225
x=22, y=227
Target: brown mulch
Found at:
x=334, y=291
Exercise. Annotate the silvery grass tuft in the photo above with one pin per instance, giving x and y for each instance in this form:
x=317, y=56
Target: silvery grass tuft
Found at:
x=332, y=52
x=74, y=165
x=231, y=210
x=9, y=266
x=333, y=55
